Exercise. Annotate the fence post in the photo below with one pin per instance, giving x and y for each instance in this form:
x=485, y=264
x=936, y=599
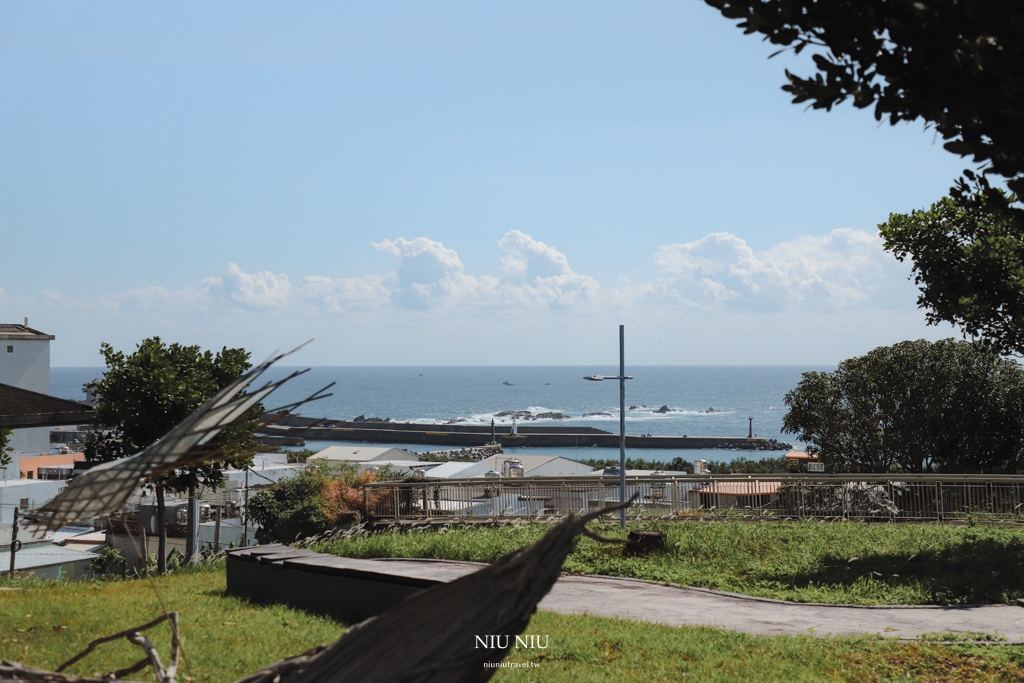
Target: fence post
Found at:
x=714, y=497
x=938, y=496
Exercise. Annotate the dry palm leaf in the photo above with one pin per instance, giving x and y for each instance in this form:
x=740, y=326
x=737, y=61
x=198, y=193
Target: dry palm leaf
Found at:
x=432, y=636
x=104, y=489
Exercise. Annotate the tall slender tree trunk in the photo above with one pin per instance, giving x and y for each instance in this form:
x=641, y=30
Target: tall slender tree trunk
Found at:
x=161, y=527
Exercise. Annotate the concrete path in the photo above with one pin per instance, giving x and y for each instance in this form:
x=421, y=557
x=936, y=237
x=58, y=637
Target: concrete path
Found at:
x=642, y=601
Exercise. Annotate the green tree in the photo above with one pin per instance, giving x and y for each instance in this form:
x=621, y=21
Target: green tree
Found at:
x=958, y=65
x=916, y=406
x=968, y=260
x=143, y=395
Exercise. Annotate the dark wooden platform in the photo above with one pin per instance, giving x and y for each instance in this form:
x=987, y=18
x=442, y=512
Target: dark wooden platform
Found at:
x=347, y=589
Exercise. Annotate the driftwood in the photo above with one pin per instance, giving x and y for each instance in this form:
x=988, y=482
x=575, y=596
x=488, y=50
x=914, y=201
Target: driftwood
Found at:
x=133, y=635
x=13, y=671
x=432, y=637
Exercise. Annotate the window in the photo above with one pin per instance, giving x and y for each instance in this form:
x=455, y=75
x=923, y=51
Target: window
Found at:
x=10, y=349
x=24, y=504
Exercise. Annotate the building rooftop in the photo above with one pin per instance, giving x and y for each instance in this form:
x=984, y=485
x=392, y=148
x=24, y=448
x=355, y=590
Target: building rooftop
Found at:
x=800, y=455
x=23, y=332
x=743, y=488
x=363, y=454
x=46, y=556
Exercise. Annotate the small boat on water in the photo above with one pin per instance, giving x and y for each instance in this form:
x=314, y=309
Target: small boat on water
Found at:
x=508, y=384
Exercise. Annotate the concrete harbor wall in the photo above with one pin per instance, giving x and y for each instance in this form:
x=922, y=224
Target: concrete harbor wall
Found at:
x=476, y=435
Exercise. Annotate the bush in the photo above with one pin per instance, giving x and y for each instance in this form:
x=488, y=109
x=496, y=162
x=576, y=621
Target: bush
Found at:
x=319, y=499
x=109, y=564
x=917, y=406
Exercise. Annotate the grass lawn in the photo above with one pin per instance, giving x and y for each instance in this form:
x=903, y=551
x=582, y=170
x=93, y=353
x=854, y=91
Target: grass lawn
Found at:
x=812, y=561
x=42, y=624
x=45, y=624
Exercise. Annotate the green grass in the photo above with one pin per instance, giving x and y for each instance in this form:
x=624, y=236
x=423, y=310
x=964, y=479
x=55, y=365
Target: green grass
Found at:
x=597, y=650
x=831, y=562
x=42, y=624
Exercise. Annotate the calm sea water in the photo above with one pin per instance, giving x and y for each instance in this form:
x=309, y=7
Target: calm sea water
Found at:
x=475, y=394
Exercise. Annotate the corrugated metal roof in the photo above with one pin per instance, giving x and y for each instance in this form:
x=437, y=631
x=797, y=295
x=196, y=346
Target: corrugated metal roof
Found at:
x=34, y=558
x=742, y=488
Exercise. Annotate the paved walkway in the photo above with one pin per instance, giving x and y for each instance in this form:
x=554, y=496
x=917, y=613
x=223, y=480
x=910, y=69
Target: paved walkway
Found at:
x=642, y=601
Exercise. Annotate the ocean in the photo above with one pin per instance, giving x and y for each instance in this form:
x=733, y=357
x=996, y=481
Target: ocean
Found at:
x=700, y=400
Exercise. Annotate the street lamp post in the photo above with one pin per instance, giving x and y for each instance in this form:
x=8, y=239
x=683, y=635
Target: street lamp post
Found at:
x=622, y=418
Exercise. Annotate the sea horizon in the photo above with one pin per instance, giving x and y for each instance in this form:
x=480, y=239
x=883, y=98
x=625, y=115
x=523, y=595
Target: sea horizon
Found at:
x=671, y=400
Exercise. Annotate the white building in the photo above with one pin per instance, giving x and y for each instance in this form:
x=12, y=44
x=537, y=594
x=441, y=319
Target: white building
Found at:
x=25, y=363
x=26, y=494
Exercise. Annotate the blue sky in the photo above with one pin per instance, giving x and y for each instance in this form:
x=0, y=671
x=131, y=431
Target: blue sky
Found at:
x=443, y=183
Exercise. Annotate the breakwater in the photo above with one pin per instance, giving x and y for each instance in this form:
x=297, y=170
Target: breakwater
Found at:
x=298, y=427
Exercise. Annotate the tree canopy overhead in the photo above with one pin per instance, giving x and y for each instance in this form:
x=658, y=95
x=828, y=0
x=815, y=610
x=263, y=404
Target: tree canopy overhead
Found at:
x=917, y=406
x=956, y=64
x=968, y=260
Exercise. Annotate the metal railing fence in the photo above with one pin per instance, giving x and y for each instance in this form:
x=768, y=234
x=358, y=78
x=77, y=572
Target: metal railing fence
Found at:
x=908, y=497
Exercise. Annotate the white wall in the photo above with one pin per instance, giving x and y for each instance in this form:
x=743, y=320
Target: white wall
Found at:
x=27, y=367
x=37, y=491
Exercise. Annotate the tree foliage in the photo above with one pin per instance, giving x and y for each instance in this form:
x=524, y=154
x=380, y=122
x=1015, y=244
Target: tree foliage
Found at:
x=738, y=465
x=956, y=64
x=143, y=395
x=968, y=260
x=917, y=406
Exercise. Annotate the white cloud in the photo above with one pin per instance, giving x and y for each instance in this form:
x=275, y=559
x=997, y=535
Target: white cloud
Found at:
x=533, y=272
x=846, y=268
x=841, y=285
x=345, y=292
x=429, y=274
x=259, y=290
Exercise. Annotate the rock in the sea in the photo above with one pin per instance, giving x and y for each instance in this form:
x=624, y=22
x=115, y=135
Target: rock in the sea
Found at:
x=521, y=414
x=363, y=418
x=599, y=414
x=712, y=410
x=664, y=409
x=550, y=416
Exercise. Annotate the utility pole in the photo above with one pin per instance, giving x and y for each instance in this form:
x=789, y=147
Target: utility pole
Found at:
x=192, y=524
x=245, y=511
x=216, y=532
x=622, y=423
x=622, y=418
